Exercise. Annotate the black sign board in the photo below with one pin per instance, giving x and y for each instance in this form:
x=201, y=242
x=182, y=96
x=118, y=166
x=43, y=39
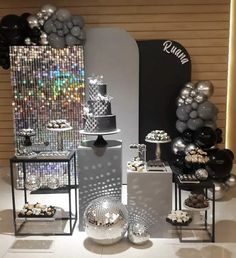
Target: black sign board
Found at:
x=165, y=66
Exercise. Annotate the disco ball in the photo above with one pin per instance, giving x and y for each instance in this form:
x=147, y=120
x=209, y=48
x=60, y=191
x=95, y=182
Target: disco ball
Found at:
x=138, y=233
x=106, y=220
x=32, y=182
x=53, y=182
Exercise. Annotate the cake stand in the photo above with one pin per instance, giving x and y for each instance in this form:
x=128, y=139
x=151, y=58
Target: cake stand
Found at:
x=157, y=162
x=100, y=141
x=60, y=132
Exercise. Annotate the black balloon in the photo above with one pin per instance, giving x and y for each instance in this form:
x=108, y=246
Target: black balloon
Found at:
x=220, y=164
x=179, y=162
x=230, y=153
x=187, y=136
x=205, y=137
x=218, y=133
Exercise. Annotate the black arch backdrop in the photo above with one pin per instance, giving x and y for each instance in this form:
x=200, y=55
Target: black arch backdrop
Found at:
x=165, y=66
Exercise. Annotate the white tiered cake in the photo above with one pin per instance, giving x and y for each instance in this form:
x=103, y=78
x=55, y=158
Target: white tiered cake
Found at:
x=97, y=112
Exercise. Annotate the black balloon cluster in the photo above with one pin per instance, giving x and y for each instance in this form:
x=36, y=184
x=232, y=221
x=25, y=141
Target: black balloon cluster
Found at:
x=195, y=150
x=57, y=28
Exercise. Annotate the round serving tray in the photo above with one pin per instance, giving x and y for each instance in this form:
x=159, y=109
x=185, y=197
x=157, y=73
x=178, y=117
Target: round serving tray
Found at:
x=196, y=209
x=153, y=141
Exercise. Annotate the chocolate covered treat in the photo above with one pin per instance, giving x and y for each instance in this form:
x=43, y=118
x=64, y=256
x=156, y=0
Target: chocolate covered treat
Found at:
x=58, y=124
x=197, y=201
x=179, y=218
x=158, y=135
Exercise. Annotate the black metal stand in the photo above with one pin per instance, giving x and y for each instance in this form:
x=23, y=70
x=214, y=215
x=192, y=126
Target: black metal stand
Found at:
x=70, y=215
x=100, y=141
x=200, y=187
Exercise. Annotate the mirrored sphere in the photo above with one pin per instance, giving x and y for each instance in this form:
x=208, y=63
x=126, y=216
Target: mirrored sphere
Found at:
x=53, y=182
x=32, y=182
x=106, y=220
x=138, y=233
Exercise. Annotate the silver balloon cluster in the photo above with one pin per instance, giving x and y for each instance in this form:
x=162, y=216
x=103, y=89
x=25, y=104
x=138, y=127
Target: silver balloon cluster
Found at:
x=194, y=110
x=106, y=220
x=138, y=233
x=38, y=21
x=58, y=28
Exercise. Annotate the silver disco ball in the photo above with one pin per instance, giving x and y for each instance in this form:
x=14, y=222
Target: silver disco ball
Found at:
x=106, y=220
x=138, y=233
x=53, y=182
x=32, y=182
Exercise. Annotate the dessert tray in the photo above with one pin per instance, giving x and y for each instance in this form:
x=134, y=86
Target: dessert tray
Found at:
x=179, y=218
x=37, y=211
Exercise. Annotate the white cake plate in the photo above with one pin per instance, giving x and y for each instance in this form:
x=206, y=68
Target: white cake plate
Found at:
x=100, y=141
x=59, y=132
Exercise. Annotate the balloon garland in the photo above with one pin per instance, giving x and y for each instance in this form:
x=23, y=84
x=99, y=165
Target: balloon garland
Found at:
x=50, y=26
x=195, y=150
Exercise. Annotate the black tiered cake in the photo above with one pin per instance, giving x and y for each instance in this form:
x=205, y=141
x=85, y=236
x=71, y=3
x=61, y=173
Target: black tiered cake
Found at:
x=98, y=116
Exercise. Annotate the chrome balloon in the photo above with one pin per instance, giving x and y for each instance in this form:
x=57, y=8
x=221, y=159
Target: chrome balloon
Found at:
x=180, y=102
x=33, y=21
x=189, y=148
x=199, y=98
x=106, y=220
x=205, y=88
x=220, y=190
x=138, y=233
x=48, y=9
x=178, y=144
x=201, y=174
x=189, y=100
x=185, y=92
x=190, y=85
x=32, y=182
x=231, y=181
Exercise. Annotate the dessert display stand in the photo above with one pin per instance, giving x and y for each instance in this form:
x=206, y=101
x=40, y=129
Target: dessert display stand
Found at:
x=64, y=220
x=150, y=199
x=202, y=229
x=60, y=133
x=100, y=172
x=157, y=163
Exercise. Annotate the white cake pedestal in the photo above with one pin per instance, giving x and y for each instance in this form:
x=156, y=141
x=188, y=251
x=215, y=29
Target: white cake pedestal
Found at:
x=60, y=132
x=157, y=162
x=100, y=141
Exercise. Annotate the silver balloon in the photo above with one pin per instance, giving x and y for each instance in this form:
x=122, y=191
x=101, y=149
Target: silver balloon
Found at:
x=41, y=22
x=178, y=144
x=39, y=15
x=180, y=101
x=75, y=31
x=220, y=190
x=43, y=41
x=182, y=114
x=205, y=88
x=207, y=110
x=53, y=182
x=32, y=182
x=194, y=105
x=28, y=41
x=48, y=8
x=180, y=126
x=201, y=174
x=188, y=100
x=190, y=85
x=188, y=108
x=63, y=15
x=199, y=98
x=43, y=35
x=193, y=114
x=231, y=181
x=195, y=123
x=193, y=93
x=185, y=92
x=138, y=233
x=106, y=220
x=211, y=124
x=189, y=148
x=33, y=21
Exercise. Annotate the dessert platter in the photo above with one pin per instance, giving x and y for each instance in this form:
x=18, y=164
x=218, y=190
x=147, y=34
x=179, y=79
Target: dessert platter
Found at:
x=179, y=218
x=196, y=202
x=98, y=119
x=36, y=211
x=59, y=126
x=158, y=137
